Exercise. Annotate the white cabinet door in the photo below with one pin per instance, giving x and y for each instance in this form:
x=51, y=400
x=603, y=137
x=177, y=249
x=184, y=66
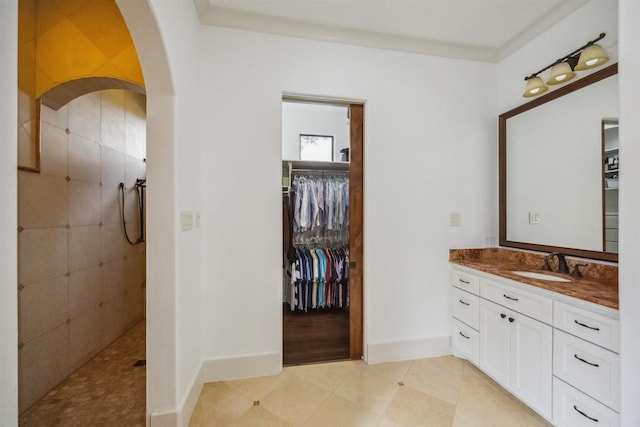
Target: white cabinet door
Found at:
x=531, y=359
x=515, y=350
x=494, y=341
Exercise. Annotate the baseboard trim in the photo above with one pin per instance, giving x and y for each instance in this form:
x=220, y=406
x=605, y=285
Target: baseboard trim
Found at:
x=233, y=368
x=190, y=401
x=408, y=350
x=163, y=419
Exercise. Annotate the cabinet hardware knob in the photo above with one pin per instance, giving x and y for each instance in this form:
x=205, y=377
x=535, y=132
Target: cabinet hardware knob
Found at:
x=508, y=297
x=586, y=361
x=463, y=302
x=463, y=335
x=503, y=315
x=587, y=326
x=585, y=415
x=464, y=281
x=511, y=319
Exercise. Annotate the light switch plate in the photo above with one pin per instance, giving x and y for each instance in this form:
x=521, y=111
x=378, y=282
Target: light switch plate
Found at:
x=455, y=219
x=187, y=221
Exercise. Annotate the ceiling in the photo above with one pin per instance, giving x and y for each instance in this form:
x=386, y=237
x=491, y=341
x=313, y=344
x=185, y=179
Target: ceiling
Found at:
x=483, y=30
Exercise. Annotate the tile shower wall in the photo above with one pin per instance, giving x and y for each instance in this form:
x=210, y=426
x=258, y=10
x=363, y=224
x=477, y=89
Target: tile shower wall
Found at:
x=81, y=284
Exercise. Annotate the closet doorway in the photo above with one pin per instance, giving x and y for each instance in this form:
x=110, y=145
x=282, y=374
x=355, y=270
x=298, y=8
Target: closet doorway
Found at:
x=322, y=193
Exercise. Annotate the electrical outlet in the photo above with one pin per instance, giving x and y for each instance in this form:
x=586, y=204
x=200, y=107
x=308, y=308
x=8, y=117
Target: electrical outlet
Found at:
x=197, y=219
x=489, y=241
x=534, y=218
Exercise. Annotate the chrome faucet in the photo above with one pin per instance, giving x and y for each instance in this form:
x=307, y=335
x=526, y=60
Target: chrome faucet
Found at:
x=562, y=263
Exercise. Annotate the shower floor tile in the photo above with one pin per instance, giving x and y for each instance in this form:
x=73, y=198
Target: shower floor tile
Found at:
x=108, y=390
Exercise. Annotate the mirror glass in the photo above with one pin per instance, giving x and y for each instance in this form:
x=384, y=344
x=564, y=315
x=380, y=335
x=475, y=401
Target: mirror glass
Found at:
x=611, y=172
x=553, y=185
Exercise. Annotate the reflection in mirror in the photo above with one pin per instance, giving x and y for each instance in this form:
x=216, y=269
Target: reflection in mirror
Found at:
x=611, y=173
x=551, y=169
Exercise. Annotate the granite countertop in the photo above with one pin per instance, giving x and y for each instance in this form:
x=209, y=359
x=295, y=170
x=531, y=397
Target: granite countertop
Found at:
x=598, y=285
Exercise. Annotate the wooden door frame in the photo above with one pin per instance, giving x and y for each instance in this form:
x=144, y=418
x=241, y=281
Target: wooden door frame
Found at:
x=356, y=208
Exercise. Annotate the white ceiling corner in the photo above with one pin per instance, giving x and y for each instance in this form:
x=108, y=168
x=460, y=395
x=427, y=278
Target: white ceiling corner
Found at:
x=481, y=30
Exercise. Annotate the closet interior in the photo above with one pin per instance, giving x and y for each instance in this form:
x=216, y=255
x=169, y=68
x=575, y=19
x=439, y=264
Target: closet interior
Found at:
x=316, y=229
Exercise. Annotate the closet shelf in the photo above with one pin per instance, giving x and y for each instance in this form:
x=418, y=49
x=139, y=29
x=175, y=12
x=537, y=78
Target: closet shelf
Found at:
x=310, y=164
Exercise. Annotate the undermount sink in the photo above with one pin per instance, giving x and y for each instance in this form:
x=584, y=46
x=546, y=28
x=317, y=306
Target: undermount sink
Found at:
x=540, y=276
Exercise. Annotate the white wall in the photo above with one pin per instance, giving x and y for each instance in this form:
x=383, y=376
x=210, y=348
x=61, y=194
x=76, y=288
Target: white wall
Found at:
x=583, y=25
x=313, y=119
x=430, y=149
x=629, y=210
x=166, y=37
x=8, y=215
x=180, y=27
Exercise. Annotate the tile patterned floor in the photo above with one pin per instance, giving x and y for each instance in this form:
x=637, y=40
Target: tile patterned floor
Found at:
x=443, y=391
x=107, y=391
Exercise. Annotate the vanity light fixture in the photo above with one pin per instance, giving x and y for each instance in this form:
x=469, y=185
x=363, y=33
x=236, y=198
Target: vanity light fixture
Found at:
x=535, y=87
x=589, y=56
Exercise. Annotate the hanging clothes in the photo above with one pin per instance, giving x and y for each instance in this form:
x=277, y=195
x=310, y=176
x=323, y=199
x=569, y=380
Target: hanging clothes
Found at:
x=319, y=279
x=318, y=231
x=320, y=202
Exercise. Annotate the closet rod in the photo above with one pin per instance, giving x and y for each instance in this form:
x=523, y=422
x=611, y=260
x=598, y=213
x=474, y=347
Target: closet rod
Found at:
x=331, y=171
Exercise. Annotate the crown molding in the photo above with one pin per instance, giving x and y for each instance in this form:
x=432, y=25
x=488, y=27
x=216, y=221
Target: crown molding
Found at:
x=539, y=26
x=231, y=18
x=250, y=21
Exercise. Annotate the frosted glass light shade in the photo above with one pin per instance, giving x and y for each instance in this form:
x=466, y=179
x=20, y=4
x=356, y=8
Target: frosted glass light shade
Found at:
x=535, y=87
x=560, y=73
x=591, y=57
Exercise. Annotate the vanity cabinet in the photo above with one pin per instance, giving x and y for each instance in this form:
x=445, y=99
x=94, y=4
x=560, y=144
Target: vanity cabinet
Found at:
x=515, y=350
x=556, y=353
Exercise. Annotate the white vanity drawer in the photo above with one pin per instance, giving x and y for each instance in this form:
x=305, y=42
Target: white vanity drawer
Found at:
x=596, y=328
x=465, y=307
x=572, y=408
x=465, y=341
x=530, y=304
x=468, y=282
x=592, y=369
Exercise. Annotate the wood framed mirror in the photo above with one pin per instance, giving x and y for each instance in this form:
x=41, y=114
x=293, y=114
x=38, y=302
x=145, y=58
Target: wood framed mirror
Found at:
x=551, y=168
